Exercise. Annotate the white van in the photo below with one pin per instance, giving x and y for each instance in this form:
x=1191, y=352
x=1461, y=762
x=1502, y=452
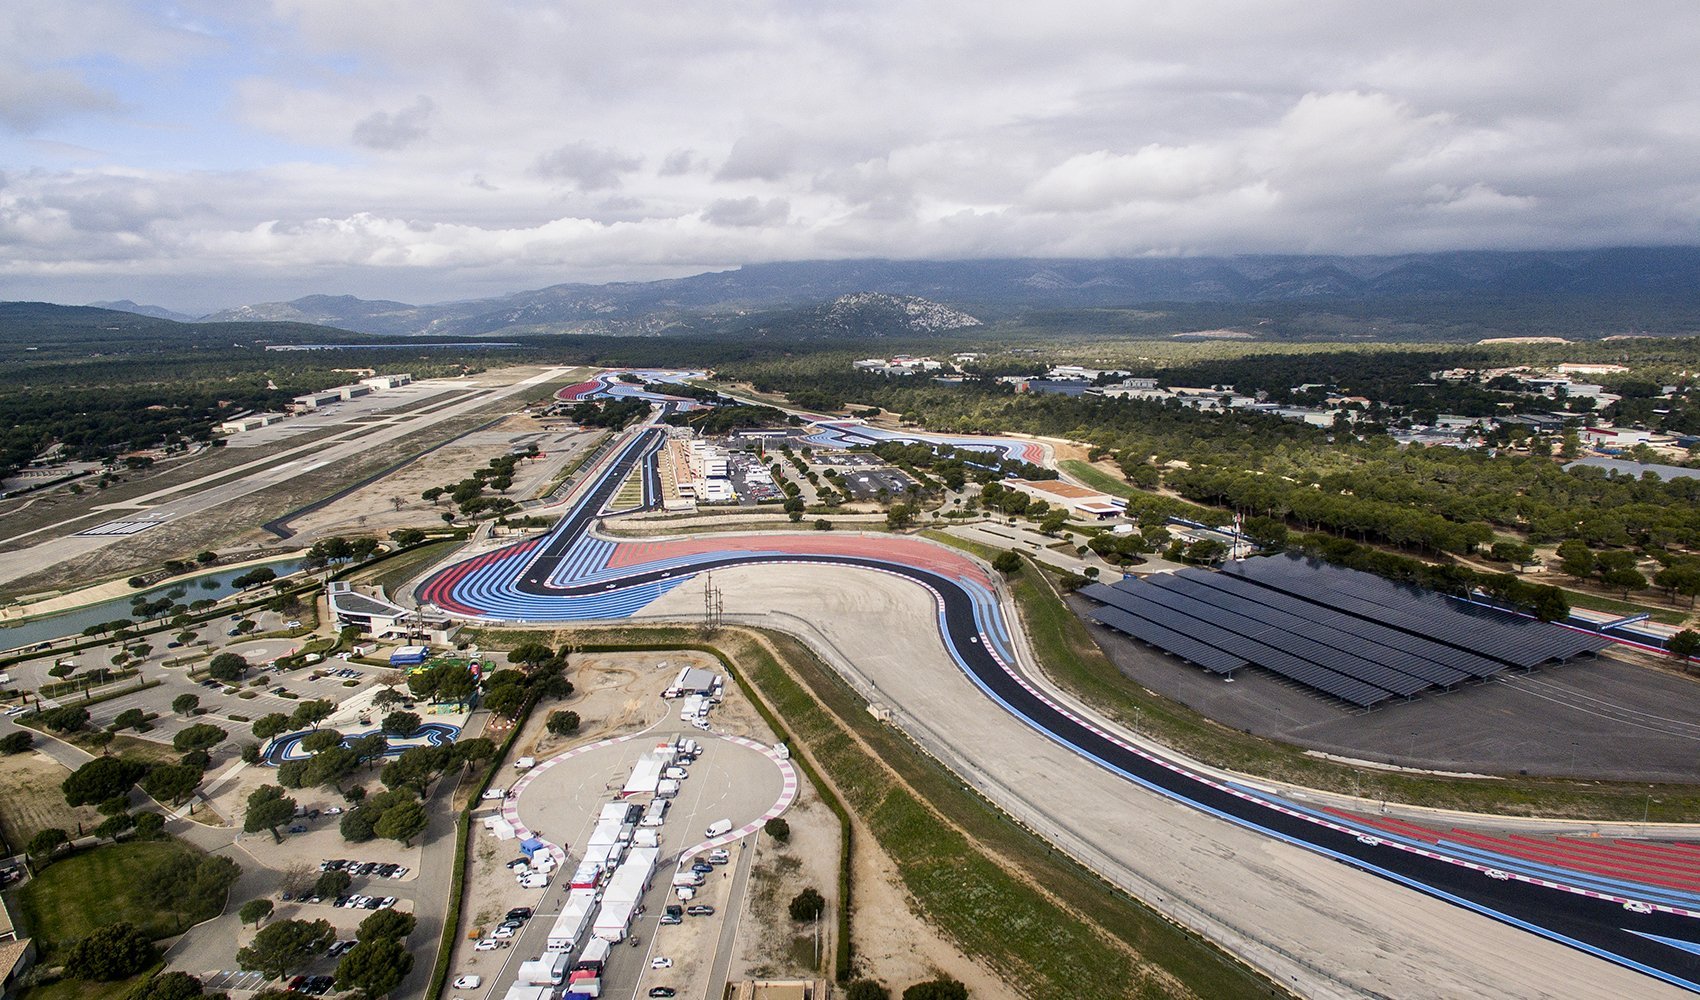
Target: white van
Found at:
x=719, y=827
x=656, y=814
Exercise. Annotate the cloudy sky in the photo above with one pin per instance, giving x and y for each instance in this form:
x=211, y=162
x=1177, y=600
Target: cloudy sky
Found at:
x=204, y=153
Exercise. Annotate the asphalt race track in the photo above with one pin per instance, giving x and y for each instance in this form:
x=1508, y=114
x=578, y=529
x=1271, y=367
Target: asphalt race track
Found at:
x=1621, y=914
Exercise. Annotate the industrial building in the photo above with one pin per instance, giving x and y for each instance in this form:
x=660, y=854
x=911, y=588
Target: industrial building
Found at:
x=1077, y=500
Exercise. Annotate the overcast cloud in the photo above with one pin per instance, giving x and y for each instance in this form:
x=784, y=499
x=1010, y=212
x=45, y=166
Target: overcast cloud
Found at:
x=203, y=154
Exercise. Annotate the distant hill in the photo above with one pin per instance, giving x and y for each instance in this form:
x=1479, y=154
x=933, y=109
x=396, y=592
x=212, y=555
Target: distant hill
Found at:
x=998, y=290
x=155, y=312
x=861, y=315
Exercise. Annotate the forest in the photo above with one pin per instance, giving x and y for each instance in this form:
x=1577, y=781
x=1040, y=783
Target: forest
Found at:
x=1356, y=484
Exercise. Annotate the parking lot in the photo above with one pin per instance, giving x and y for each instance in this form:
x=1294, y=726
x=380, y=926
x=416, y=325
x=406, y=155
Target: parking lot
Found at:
x=751, y=479
x=867, y=483
x=729, y=782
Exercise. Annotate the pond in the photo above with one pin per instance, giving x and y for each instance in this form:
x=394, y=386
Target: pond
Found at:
x=210, y=586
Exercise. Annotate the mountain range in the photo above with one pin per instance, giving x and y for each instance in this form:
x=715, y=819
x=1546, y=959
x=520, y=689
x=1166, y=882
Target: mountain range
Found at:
x=862, y=297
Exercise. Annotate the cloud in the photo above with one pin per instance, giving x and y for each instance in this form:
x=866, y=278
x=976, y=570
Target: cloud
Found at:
x=744, y=212
x=389, y=130
x=679, y=161
x=620, y=140
x=591, y=167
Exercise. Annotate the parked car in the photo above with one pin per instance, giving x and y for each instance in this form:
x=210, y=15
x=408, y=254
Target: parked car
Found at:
x=661, y=962
x=700, y=910
x=292, y=624
x=298, y=828
x=503, y=933
x=489, y=944
x=670, y=919
x=520, y=913
x=702, y=868
x=467, y=982
x=663, y=991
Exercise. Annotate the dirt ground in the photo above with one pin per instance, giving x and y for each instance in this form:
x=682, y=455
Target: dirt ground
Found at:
x=31, y=800
x=893, y=944
x=374, y=508
x=770, y=944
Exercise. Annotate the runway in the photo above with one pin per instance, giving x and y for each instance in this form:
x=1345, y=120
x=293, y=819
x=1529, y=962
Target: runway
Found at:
x=1620, y=915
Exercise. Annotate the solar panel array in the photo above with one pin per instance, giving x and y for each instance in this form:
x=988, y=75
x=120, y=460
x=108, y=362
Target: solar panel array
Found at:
x=1515, y=641
x=1351, y=635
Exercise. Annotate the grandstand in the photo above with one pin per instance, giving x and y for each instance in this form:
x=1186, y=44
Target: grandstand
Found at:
x=1350, y=635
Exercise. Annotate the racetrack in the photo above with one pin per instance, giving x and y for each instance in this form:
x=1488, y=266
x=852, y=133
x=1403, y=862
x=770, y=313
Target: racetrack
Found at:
x=573, y=575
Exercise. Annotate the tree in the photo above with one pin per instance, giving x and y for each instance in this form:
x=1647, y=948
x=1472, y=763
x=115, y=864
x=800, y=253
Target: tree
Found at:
x=268, y=809
x=505, y=700
x=101, y=779
x=66, y=719
x=1008, y=563
x=172, y=986
x=286, y=946
x=402, y=724
x=1576, y=559
x=473, y=751
x=1624, y=579
x=808, y=904
x=116, y=951
x=402, y=822
x=531, y=654
x=563, y=723
x=778, y=829
x=944, y=988
x=113, y=826
x=375, y=966
x=270, y=725
x=332, y=884
x=173, y=783
x=227, y=667
x=866, y=989
x=130, y=718
x=1684, y=645
x=184, y=704
x=370, y=748
x=256, y=910
x=320, y=740
x=250, y=753
x=149, y=825
x=46, y=843
x=203, y=736
x=16, y=742
x=310, y=713
x=387, y=924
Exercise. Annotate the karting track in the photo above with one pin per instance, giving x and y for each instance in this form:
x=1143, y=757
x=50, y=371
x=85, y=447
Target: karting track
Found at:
x=1625, y=913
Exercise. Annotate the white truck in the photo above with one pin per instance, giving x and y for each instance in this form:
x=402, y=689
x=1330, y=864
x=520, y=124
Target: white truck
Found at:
x=545, y=971
x=666, y=788
x=594, y=956
x=655, y=815
x=687, y=878
x=570, y=926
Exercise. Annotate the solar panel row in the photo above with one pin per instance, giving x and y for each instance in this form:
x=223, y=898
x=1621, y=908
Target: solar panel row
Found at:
x=1434, y=661
x=1514, y=641
x=1131, y=597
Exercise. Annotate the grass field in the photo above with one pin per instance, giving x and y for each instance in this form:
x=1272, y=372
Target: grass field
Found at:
x=392, y=573
x=76, y=989
x=1065, y=649
x=31, y=801
x=995, y=890
x=70, y=898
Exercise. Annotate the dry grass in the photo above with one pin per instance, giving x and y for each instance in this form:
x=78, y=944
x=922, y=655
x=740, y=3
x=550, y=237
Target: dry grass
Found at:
x=31, y=801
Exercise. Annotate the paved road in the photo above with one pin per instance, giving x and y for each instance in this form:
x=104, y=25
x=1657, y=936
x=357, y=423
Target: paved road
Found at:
x=1583, y=910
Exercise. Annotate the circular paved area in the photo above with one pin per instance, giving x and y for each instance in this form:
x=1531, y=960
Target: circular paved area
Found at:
x=734, y=779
